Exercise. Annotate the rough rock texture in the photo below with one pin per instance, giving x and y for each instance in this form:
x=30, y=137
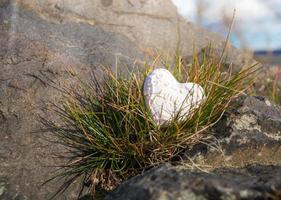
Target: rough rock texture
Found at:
x=41, y=40
x=176, y=183
x=151, y=24
x=249, y=133
x=33, y=53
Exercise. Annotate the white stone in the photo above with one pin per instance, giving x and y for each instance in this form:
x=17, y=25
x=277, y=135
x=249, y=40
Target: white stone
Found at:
x=167, y=98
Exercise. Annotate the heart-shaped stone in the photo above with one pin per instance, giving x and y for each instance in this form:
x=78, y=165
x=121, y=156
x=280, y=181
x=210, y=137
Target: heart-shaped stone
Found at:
x=167, y=98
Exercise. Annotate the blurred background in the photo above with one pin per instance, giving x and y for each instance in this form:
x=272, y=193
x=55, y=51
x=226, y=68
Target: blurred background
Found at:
x=257, y=24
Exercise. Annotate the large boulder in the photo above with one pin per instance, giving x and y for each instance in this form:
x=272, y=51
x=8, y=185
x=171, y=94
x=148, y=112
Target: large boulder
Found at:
x=35, y=53
x=153, y=25
x=41, y=40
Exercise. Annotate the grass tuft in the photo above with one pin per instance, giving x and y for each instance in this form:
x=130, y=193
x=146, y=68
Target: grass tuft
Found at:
x=111, y=134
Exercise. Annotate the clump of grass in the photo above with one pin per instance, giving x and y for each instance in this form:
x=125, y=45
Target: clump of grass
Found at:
x=111, y=134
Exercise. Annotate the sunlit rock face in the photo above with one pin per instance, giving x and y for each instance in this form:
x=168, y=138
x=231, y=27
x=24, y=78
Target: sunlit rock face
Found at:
x=168, y=99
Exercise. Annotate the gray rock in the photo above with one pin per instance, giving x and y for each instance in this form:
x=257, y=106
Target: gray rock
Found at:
x=151, y=25
x=249, y=133
x=33, y=54
x=7, y=192
x=3, y=188
x=177, y=183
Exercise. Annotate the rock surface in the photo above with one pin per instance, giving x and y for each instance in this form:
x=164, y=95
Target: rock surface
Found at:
x=34, y=53
x=249, y=133
x=41, y=40
x=150, y=24
x=177, y=183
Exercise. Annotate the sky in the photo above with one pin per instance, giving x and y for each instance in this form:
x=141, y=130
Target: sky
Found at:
x=257, y=23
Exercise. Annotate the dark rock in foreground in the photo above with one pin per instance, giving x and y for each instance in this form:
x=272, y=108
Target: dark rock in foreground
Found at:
x=177, y=183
